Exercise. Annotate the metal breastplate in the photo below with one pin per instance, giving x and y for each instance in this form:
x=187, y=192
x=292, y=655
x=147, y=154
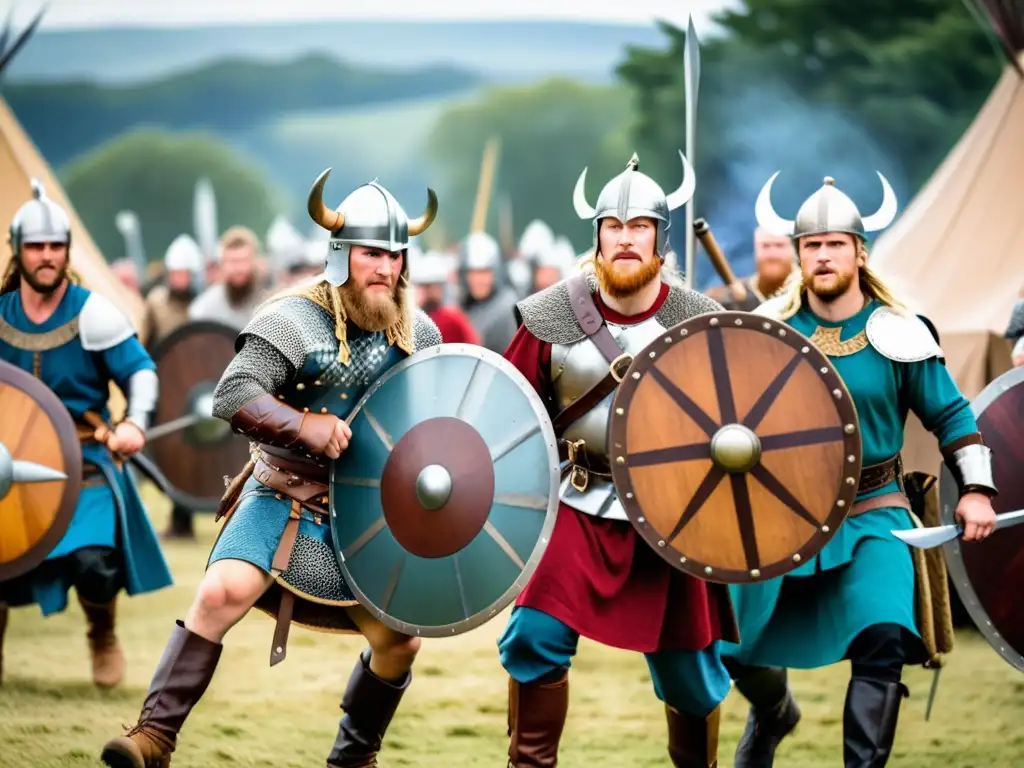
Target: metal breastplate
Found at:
x=574, y=370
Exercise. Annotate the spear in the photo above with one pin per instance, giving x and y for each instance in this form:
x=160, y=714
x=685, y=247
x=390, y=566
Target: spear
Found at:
x=691, y=80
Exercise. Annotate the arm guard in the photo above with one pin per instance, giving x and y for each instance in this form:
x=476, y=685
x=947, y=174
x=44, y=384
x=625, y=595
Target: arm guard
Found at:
x=970, y=461
x=267, y=420
x=143, y=388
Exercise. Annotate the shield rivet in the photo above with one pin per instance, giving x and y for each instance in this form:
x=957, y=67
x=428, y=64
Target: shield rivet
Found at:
x=636, y=374
x=755, y=574
x=619, y=411
x=323, y=410
x=797, y=558
x=824, y=370
x=782, y=331
x=837, y=394
x=661, y=543
x=640, y=519
x=682, y=559
x=851, y=458
x=620, y=460
x=849, y=429
x=707, y=569
x=668, y=339
x=714, y=321
x=300, y=386
x=805, y=350
x=651, y=354
x=683, y=332
x=738, y=321
x=825, y=529
x=767, y=326
x=840, y=503
x=279, y=649
x=344, y=395
x=629, y=495
x=850, y=481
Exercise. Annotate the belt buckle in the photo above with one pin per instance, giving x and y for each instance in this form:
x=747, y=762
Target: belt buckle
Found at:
x=579, y=478
x=624, y=361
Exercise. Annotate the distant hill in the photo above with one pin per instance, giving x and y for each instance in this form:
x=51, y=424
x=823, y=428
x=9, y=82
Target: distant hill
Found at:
x=66, y=119
x=506, y=51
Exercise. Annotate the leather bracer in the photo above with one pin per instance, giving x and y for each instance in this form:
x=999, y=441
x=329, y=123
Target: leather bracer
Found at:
x=268, y=420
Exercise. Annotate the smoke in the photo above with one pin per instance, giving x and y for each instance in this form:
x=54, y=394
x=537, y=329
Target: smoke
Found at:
x=761, y=127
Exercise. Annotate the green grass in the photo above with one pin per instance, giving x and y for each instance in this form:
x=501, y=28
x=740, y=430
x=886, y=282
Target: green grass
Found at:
x=454, y=713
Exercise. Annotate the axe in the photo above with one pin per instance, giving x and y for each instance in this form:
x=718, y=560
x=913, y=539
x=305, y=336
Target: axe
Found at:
x=702, y=230
x=927, y=538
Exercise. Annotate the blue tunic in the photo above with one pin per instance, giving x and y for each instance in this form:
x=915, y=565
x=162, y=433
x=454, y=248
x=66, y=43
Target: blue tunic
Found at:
x=110, y=514
x=864, y=575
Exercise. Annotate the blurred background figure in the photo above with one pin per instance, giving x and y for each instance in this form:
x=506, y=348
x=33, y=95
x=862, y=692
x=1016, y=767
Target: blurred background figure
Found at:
x=234, y=298
x=488, y=303
x=553, y=264
x=536, y=241
x=167, y=305
x=126, y=271
x=286, y=251
x=430, y=273
x=304, y=265
x=774, y=259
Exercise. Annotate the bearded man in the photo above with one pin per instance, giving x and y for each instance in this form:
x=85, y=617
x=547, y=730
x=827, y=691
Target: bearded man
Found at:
x=275, y=551
x=774, y=257
x=233, y=299
x=855, y=600
x=598, y=578
x=430, y=274
x=77, y=342
x=167, y=304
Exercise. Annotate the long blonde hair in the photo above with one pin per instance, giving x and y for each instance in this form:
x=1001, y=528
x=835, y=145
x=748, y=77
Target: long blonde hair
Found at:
x=792, y=293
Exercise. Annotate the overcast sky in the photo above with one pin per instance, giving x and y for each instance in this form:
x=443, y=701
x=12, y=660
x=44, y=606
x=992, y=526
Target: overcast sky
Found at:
x=104, y=13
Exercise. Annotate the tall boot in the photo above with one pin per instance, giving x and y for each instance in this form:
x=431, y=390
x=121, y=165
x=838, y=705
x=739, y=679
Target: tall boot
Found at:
x=536, y=717
x=107, y=656
x=182, y=676
x=869, y=721
x=3, y=629
x=693, y=740
x=370, y=702
x=773, y=715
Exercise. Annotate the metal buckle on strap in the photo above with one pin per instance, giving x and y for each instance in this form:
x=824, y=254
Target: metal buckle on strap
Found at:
x=620, y=365
x=579, y=478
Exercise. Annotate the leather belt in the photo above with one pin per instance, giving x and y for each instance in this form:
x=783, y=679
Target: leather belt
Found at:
x=290, y=461
x=891, y=499
x=880, y=475
x=305, y=490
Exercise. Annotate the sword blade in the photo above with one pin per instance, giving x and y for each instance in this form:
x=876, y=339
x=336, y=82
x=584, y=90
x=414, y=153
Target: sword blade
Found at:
x=927, y=538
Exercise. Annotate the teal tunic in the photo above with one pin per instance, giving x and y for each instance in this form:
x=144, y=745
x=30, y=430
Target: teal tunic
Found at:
x=864, y=575
x=107, y=515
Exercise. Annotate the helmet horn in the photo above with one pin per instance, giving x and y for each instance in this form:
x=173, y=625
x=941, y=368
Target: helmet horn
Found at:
x=886, y=212
x=579, y=198
x=687, y=187
x=330, y=220
x=765, y=212
x=416, y=226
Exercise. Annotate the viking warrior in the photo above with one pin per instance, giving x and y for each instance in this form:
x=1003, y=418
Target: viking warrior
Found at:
x=431, y=275
x=167, y=305
x=855, y=600
x=598, y=578
x=537, y=239
x=239, y=290
x=77, y=342
x=774, y=257
x=487, y=302
x=340, y=332
x=553, y=265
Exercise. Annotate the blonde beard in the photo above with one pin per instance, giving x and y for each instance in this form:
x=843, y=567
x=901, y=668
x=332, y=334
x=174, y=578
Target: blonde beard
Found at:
x=620, y=286
x=842, y=285
x=370, y=311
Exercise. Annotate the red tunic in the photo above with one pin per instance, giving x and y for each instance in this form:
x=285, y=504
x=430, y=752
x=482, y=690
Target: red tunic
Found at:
x=600, y=577
x=454, y=326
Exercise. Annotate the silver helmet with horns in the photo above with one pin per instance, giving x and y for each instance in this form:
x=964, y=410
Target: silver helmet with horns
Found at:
x=370, y=216
x=633, y=194
x=827, y=210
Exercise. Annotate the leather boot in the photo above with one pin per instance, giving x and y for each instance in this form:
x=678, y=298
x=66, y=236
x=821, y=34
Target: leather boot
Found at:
x=693, y=740
x=181, y=678
x=4, y=611
x=370, y=702
x=773, y=715
x=107, y=656
x=869, y=721
x=536, y=717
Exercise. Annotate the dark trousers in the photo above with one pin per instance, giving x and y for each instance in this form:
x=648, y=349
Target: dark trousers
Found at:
x=96, y=573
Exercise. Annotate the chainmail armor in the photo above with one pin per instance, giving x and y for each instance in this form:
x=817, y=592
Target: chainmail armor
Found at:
x=424, y=332
x=257, y=369
x=313, y=570
x=548, y=314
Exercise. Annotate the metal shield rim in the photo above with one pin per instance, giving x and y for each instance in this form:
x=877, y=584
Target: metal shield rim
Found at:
x=71, y=453
x=178, y=496
x=784, y=334
x=547, y=527
x=954, y=559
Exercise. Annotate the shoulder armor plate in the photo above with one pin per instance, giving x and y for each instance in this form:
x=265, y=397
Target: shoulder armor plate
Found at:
x=425, y=332
x=101, y=325
x=901, y=338
x=771, y=308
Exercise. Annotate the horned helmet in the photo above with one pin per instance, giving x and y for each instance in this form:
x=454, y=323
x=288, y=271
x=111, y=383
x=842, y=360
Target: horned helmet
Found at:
x=370, y=216
x=827, y=210
x=632, y=194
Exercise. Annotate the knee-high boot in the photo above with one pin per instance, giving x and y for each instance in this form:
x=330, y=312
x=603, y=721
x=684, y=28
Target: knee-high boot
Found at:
x=773, y=715
x=370, y=702
x=181, y=678
x=536, y=718
x=107, y=656
x=869, y=721
x=693, y=740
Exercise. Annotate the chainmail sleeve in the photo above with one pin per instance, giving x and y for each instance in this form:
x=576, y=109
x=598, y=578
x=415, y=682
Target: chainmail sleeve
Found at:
x=258, y=369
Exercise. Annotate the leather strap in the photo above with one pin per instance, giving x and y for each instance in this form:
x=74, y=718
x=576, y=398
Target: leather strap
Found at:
x=279, y=649
x=880, y=475
x=284, y=547
x=293, y=485
x=891, y=499
x=590, y=319
x=589, y=399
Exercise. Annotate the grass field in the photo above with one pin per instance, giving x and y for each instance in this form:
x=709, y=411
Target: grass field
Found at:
x=454, y=713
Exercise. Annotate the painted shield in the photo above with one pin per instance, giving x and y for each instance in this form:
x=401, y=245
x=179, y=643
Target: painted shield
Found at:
x=192, y=449
x=40, y=471
x=444, y=502
x=986, y=573
x=736, y=447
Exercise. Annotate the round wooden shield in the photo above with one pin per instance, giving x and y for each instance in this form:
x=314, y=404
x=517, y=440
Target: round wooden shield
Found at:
x=986, y=573
x=735, y=447
x=37, y=438
x=445, y=501
x=195, y=457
